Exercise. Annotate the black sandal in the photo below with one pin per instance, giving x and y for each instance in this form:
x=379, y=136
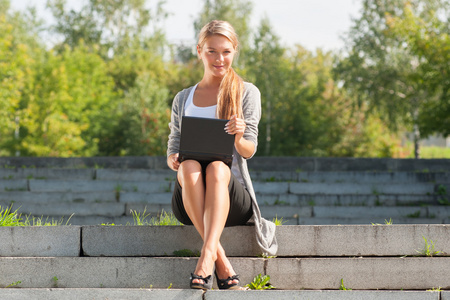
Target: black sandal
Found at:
x=224, y=285
x=206, y=285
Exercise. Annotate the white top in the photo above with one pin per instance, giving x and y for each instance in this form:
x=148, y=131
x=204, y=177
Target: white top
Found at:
x=191, y=110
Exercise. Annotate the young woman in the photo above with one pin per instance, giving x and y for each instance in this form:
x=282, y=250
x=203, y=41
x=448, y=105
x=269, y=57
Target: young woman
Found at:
x=210, y=195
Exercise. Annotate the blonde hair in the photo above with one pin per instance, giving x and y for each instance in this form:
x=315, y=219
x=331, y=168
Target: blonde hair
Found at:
x=231, y=88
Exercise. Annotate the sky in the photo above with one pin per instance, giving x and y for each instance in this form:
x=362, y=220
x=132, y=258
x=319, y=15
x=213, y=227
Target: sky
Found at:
x=310, y=23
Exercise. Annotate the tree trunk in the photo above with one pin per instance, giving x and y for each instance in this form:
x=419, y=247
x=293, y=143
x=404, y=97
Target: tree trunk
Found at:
x=416, y=142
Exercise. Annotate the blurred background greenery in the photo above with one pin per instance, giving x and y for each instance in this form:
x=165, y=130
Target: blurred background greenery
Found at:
x=106, y=89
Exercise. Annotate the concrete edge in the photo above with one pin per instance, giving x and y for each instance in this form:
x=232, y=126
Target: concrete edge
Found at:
x=113, y=294
x=239, y=241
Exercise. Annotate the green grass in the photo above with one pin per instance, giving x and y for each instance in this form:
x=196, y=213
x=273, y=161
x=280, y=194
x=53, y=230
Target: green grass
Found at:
x=442, y=195
x=13, y=284
x=10, y=218
x=434, y=152
x=414, y=215
x=34, y=221
x=386, y=222
x=428, y=249
x=186, y=253
x=278, y=222
x=163, y=219
x=342, y=286
x=260, y=282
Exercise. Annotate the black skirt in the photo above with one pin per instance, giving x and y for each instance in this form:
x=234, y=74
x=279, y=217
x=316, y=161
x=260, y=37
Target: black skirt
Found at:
x=240, y=203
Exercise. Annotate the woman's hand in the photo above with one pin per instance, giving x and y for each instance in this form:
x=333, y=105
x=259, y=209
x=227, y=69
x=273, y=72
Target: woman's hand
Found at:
x=172, y=162
x=236, y=126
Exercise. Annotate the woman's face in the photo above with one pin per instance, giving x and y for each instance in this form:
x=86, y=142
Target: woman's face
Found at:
x=217, y=55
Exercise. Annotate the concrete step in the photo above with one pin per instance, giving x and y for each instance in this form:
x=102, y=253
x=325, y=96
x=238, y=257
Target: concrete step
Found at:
x=413, y=273
x=187, y=294
x=154, y=241
x=106, y=209
x=358, y=188
x=40, y=241
x=361, y=221
x=46, y=173
x=24, y=196
x=258, y=163
x=345, y=199
x=343, y=240
x=300, y=188
x=96, y=185
x=304, y=188
x=28, y=197
x=95, y=213
x=343, y=212
x=265, y=176
x=359, y=273
x=352, y=177
x=14, y=185
x=135, y=174
x=74, y=209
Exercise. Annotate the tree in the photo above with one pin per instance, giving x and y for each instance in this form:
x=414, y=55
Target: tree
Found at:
x=267, y=69
x=112, y=25
x=428, y=38
x=381, y=70
x=68, y=106
x=143, y=122
x=17, y=44
x=305, y=113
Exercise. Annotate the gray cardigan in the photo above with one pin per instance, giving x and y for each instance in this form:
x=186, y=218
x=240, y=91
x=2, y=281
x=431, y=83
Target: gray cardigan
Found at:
x=265, y=230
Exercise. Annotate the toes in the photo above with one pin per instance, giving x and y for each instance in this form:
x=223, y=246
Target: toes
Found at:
x=199, y=281
x=233, y=282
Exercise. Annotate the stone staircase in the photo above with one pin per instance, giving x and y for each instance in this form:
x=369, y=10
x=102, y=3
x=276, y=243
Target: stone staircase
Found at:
x=138, y=262
x=301, y=191
x=407, y=260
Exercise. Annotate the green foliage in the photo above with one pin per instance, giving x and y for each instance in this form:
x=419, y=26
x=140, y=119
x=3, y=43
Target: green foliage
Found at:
x=386, y=222
x=106, y=87
x=13, y=284
x=434, y=152
x=163, y=219
x=342, y=287
x=429, y=249
x=15, y=72
x=397, y=63
x=34, y=221
x=55, y=281
x=9, y=217
x=278, y=222
x=442, y=195
x=260, y=282
x=414, y=215
x=186, y=253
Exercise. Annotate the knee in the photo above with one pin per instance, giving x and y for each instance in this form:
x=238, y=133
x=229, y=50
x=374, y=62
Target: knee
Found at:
x=217, y=171
x=189, y=171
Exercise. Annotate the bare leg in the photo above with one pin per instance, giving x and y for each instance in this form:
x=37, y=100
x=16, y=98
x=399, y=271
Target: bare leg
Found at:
x=208, y=210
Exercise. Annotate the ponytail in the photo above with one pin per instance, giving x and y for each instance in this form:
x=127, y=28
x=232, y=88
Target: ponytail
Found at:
x=231, y=88
x=229, y=101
